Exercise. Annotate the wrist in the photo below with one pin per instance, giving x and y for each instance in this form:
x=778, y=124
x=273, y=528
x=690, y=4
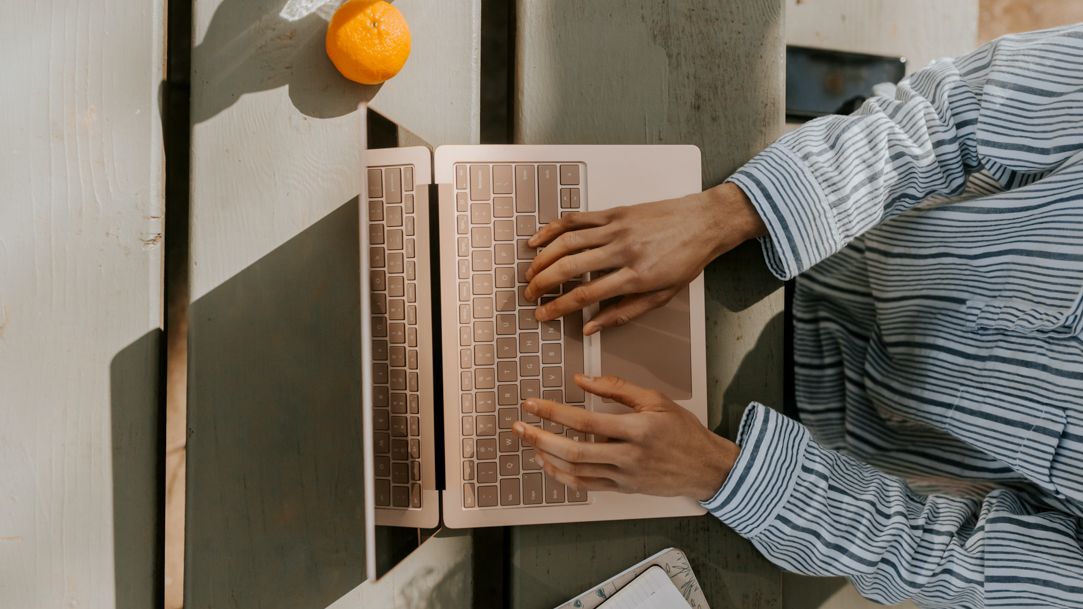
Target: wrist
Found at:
x=731, y=217
x=718, y=467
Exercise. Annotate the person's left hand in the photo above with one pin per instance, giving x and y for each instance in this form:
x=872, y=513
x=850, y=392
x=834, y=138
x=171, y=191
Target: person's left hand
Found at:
x=660, y=449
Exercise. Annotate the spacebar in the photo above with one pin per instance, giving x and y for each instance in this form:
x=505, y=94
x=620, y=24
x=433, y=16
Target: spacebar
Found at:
x=573, y=356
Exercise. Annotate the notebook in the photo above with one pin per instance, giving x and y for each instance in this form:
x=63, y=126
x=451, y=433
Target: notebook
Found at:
x=650, y=590
x=660, y=581
x=452, y=345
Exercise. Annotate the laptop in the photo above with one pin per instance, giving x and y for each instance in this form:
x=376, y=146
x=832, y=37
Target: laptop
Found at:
x=453, y=346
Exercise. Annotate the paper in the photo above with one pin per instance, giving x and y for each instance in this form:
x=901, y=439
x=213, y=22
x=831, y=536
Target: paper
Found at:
x=651, y=590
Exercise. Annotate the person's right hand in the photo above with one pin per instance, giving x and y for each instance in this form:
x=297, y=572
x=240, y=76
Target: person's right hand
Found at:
x=652, y=251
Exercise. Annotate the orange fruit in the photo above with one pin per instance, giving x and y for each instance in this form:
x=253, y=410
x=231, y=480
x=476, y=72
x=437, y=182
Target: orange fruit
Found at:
x=368, y=41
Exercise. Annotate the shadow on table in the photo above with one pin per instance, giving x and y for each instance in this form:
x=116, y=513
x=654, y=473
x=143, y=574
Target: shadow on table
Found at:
x=249, y=48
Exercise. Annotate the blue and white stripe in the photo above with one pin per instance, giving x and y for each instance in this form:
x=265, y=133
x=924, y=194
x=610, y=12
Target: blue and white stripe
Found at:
x=938, y=240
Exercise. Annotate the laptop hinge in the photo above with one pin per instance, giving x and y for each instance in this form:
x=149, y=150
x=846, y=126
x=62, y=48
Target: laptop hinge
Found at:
x=437, y=343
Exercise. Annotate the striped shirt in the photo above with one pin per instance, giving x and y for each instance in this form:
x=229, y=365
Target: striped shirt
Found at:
x=938, y=240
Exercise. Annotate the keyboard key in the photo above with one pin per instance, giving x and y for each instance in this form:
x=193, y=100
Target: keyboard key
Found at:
x=485, y=378
x=468, y=426
x=383, y=493
x=379, y=303
x=393, y=185
x=480, y=187
x=466, y=401
x=411, y=270
x=553, y=395
x=550, y=330
x=375, y=184
x=574, y=198
x=408, y=203
x=528, y=461
x=552, y=427
x=468, y=448
x=483, y=331
x=465, y=314
x=525, y=189
x=521, y=297
x=481, y=260
x=468, y=470
x=577, y=496
x=400, y=496
x=395, y=286
x=569, y=175
x=379, y=326
x=415, y=470
x=505, y=348
x=381, y=443
x=461, y=172
x=505, y=325
x=483, y=308
x=378, y=281
x=509, y=491
x=484, y=355
x=505, y=254
x=379, y=350
x=576, y=435
x=410, y=249
x=503, y=207
x=573, y=356
x=396, y=333
x=376, y=211
x=525, y=226
x=529, y=388
x=565, y=198
x=487, y=449
x=481, y=213
x=466, y=380
x=415, y=496
x=411, y=334
x=398, y=403
x=460, y=201
x=382, y=466
x=509, y=464
x=524, y=251
x=550, y=353
x=548, y=206
x=552, y=377
x=505, y=301
x=376, y=234
x=400, y=450
x=485, y=401
x=529, y=365
x=380, y=397
x=468, y=495
x=400, y=473
x=411, y=315
x=394, y=239
x=506, y=372
x=379, y=373
x=463, y=247
x=507, y=395
x=408, y=179
x=397, y=379
x=394, y=263
x=409, y=226
x=376, y=258
x=503, y=230
x=502, y=179
x=381, y=419
x=507, y=416
x=394, y=215
x=487, y=496
x=485, y=425
x=528, y=342
x=398, y=357
x=532, y=489
x=397, y=310
x=481, y=236
x=464, y=336
x=554, y=491
x=520, y=271
x=462, y=224
x=415, y=426
x=415, y=407
x=482, y=284
x=526, y=320
x=487, y=473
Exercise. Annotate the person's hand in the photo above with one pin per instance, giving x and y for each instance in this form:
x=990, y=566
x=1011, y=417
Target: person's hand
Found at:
x=660, y=449
x=653, y=251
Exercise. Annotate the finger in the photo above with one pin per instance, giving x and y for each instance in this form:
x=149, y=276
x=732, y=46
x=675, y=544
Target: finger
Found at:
x=607, y=286
x=629, y=308
x=566, y=268
x=565, y=448
x=616, y=388
x=582, y=484
x=578, y=470
x=609, y=425
x=572, y=221
x=565, y=244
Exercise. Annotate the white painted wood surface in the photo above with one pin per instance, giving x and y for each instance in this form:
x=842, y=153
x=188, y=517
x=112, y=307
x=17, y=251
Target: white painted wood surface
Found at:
x=81, y=195
x=922, y=31
x=274, y=152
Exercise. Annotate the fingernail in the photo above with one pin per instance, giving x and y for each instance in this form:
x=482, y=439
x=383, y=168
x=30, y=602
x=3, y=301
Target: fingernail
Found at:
x=589, y=379
x=530, y=275
x=590, y=328
x=540, y=313
x=531, y=406
x=532, y=242
x=538, y=459
x=518, y=428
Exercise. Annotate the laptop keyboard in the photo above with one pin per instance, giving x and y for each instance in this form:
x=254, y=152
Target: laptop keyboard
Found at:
x=505, y=355
x=396, y=398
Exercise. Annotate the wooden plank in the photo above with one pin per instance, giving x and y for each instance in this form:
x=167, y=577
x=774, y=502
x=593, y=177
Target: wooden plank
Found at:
x=80, y=303
x=274, y=330
x=921, y=31
x=692, y=72
x=1000, y=17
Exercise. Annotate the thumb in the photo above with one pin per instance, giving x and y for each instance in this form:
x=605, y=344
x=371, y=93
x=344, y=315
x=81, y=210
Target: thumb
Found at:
x=616, y=388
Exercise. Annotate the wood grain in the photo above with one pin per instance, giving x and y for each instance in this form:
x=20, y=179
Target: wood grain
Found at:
x=692, y=72
x=81, y=199
x=274, y=330
x=1000, y=17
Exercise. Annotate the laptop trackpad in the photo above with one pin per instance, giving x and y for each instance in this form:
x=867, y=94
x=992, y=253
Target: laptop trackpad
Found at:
x=654, y=350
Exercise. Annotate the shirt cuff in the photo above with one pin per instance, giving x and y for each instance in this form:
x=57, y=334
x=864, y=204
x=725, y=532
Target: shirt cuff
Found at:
x=802, y=229
x=765, y=473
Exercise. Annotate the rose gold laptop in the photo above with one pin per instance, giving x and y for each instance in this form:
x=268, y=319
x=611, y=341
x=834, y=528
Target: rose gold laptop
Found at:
x=453, y=347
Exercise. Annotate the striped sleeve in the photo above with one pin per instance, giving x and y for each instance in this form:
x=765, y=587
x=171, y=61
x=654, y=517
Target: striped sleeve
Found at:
x=1013, y=108
x=819, y=512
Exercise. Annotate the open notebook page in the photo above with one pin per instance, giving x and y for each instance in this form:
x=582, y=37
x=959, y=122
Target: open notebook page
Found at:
x=651, y=590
